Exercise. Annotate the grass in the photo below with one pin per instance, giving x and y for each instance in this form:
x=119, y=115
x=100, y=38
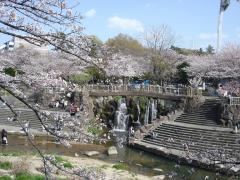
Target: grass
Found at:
x=17, y=153
x=28, y=176
x=120, y=166
x=5, y=178
x=59, y=159
x=5, y=165
x=66, y=164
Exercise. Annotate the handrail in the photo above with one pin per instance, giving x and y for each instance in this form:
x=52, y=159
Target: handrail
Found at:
x=164, y=90
x=234, y=101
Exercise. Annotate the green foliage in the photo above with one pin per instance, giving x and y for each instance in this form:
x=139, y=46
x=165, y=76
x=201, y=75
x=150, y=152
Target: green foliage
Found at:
x=68, y=165
x=161, y=69
x=117, y=98
x=59, y=159
x=94, y=128
x=28, y=176
x=148, y=76
x=181, y=73
x=5, y=165
x=5, y=178
x=10, y=71
x=80, y=78
x=143, y=103
x=126, y=44
x=200, y=52
x=95, y=44
x=210, y=49
x=62, y=42
x=120, y=166
x=95, y=73
x=188, y=52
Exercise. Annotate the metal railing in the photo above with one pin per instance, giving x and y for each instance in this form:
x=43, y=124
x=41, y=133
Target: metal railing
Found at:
x=164, y=90
x=234, y=101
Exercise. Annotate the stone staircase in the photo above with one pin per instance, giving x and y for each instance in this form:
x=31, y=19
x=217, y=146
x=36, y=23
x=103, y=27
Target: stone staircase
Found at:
x=23, y=111
x=174, y=136
x=197, y=132
x=26, y=114
x=207, y=114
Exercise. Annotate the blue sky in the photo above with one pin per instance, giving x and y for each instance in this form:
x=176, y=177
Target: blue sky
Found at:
x=193, y=21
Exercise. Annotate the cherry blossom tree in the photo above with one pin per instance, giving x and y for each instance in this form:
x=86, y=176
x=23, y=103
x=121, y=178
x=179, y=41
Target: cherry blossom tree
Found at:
x=54, y=24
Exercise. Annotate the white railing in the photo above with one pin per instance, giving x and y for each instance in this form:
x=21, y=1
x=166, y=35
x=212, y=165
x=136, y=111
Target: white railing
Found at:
x=234, y=101
x=165, y=90
x=137, y=88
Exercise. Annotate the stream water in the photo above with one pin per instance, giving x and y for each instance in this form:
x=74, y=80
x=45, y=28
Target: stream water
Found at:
x=137, y=160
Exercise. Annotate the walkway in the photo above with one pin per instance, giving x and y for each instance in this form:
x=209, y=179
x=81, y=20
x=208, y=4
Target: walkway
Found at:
x=163, y=92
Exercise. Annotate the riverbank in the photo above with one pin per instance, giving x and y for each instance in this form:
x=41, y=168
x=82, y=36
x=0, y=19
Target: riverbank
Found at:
x=33, y=165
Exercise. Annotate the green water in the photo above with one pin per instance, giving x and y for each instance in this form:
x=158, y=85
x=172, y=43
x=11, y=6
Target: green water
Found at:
x=137, y=161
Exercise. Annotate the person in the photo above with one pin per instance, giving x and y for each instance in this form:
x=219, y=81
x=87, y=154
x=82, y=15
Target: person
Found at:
x=26, y=126
x=131, y=131
x=72, y=110
x=4, y=136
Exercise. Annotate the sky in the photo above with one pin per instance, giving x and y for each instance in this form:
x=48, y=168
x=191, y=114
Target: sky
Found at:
x=194, y=22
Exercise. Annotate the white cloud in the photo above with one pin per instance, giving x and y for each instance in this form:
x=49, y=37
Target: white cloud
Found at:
x=125, y=24
x=209, y=36
x=91, y=13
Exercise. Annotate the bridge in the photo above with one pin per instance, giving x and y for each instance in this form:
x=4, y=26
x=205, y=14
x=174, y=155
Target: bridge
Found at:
x=155, y=91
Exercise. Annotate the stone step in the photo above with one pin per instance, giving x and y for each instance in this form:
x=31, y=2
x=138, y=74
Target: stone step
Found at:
x=193, y=145
x=201, y=123
x=180, y=146
x=200, y=120
x=197, y=137
x=193, y=129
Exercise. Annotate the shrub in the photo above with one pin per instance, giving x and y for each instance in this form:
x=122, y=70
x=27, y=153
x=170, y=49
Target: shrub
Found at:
x=28, y=176
x=10, y=71
x=68, y=165
x=5, y=165
x=80, y=78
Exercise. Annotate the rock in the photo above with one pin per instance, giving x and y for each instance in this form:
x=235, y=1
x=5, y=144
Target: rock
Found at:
x=112, y=150
x=235, y=169
x=143, y=130
x=147, y=127
x=91, y=153
x=76, y=154
x=220, y=166
x=160, y=177
x=137, y=134
x=158, y=169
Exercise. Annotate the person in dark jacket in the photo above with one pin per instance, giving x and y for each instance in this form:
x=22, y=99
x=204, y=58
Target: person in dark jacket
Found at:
x=4, y=136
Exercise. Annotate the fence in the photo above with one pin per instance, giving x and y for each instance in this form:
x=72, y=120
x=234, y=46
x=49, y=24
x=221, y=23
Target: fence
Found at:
x=234, y=101
x=165, y=90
